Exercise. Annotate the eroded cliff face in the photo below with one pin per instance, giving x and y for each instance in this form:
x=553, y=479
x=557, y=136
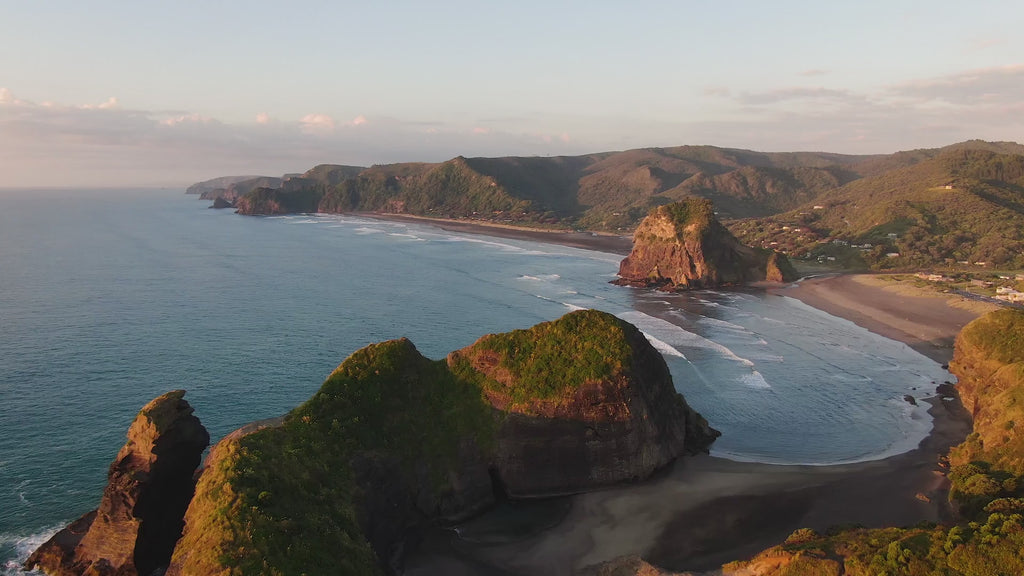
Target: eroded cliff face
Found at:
x=682, y=246
x=140, y=516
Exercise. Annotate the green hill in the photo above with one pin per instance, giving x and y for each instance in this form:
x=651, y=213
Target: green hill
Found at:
x=942, y=206
x=961, y=205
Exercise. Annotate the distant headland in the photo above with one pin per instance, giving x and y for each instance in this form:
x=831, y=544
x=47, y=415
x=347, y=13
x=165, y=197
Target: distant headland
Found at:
x=955, y=207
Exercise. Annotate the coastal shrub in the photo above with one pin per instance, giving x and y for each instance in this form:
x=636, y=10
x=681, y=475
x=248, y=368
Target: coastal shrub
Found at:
x=554, y=358
x=801, y=536
x=281, y=500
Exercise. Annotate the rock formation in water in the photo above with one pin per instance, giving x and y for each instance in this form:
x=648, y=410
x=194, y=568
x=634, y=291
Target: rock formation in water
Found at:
x=393, y=440
x=220, y=203
x=682, y=246
x=140, y=517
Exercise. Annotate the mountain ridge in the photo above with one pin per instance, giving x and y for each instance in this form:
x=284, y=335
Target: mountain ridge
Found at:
x=959, y=203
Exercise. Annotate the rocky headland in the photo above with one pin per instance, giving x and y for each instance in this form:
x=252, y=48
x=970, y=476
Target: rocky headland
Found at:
x=394, y=441
x=150, y=484
x=682, y=246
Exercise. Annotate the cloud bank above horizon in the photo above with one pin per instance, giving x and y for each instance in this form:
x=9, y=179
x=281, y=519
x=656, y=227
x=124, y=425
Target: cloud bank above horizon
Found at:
x=165, y=96
x=91, y=142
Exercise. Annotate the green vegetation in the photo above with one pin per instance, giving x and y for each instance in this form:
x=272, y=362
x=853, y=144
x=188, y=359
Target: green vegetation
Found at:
x=961, y=206
x=987, y=548
x=551, y=359
x=696, y=212
x=999, y=335
x=921, y=208
x=383, y=443
x=281, y=500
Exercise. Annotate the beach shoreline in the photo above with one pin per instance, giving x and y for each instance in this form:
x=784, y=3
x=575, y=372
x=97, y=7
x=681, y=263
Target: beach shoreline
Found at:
x=596, y=241
x=926, y=321
x=705, y=511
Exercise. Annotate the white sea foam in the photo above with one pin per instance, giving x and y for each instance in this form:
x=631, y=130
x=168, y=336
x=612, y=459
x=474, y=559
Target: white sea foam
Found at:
x=572, y=307
x=367, y=230
x=22, y=545
x=679, y=338
x=755, y=380
x=540, y=277
x=663, y=347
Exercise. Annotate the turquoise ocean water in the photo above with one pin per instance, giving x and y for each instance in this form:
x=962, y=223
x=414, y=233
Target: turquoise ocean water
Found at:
x=110, y=298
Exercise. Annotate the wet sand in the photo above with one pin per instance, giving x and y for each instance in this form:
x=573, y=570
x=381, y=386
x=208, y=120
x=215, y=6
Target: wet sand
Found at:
x=599, y=242
x=926, y=321
x=705, y=511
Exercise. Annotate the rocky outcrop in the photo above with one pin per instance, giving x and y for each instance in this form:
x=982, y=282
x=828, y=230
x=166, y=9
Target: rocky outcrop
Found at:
x=566, y=431
x=220, y=203
x=140, y=516
x=393, y=440
x=682, y=246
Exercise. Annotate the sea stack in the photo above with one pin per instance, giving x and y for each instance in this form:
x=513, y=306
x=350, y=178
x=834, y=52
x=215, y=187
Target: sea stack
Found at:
x=140, y=517
x=393, y=440
x=682, y=246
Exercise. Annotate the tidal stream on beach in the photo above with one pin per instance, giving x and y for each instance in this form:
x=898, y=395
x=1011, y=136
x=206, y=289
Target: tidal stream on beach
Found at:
x=110, y=298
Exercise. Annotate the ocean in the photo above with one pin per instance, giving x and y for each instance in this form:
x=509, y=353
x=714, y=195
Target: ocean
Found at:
x=111, y=298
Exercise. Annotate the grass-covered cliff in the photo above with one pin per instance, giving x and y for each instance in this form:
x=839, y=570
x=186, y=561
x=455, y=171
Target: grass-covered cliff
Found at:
x=393, y=440
x=987, y=484
x=291, y=499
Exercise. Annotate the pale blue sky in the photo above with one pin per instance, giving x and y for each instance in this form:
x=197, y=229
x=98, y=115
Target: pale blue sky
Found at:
x=208, y=88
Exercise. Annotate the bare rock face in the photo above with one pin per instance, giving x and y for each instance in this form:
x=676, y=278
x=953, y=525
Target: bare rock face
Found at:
x=140, y=516
x=682, y=246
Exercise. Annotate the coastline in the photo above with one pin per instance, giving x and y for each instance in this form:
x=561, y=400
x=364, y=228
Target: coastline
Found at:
x=926, y=321
x=704, y=511
x=596, y=241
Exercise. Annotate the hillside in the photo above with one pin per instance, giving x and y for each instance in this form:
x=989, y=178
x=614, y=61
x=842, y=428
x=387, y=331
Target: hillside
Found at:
x=215, y=183
x=607, y=191
x=959, y=204
x=962, y=205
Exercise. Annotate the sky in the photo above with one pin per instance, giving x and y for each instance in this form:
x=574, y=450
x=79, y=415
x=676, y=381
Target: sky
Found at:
x=106, y=93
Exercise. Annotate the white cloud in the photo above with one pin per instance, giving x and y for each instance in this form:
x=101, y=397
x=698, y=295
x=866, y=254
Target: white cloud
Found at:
x=187, y=119
x=110, y=144
x=108, y=104
x=317, y=123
